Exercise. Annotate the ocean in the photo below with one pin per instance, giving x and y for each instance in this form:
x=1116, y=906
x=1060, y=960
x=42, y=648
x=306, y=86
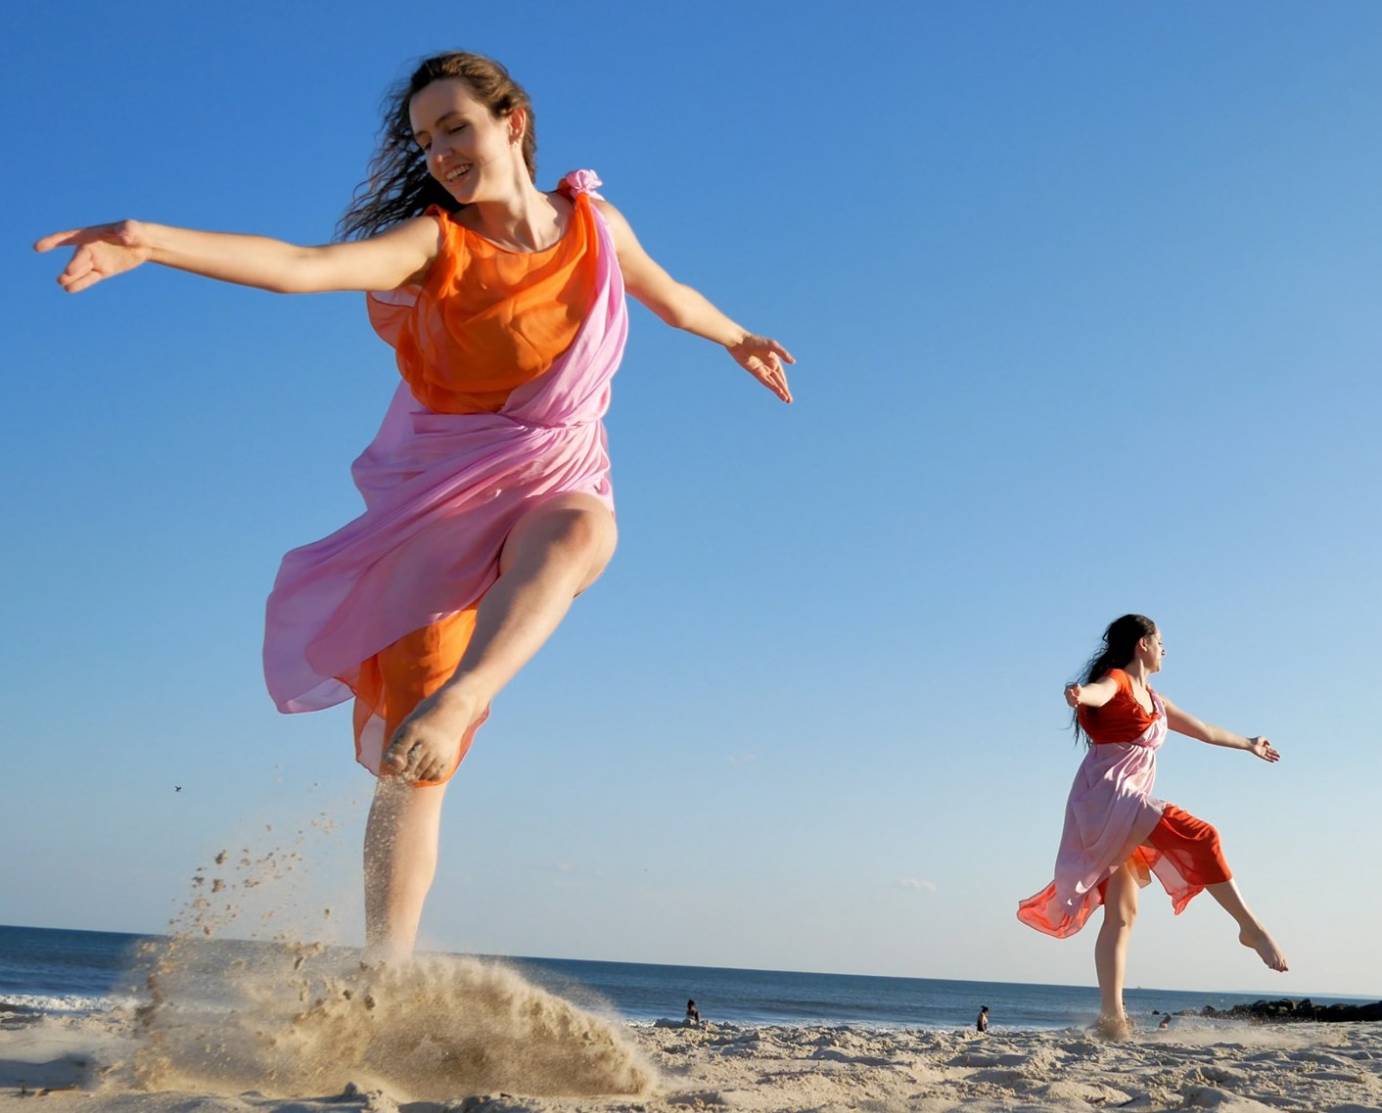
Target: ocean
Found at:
x=47, y=970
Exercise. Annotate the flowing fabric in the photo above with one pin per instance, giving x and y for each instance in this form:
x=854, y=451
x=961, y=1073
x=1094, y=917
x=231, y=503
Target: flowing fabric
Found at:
x=1109, y=814
x=442, y=491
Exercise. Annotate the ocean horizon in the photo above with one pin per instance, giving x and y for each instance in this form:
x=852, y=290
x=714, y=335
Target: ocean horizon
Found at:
x=70, y=971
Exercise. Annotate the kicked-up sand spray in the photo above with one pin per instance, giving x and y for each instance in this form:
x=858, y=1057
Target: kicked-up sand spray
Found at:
x=293, y=1019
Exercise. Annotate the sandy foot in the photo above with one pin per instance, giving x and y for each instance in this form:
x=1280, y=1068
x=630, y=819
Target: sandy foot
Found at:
x=1265, y=946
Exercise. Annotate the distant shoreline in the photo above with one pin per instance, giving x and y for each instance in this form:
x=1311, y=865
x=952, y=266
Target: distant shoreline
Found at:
x=1259, y=995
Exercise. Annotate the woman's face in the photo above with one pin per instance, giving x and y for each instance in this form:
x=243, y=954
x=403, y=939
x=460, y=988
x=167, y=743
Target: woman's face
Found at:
x=469, y=150
x=1151, y=651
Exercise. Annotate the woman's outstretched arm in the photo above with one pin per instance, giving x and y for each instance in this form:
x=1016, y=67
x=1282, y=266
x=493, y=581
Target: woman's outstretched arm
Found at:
x=1182, y=722
x=683, y=307
x=383, y=262
x=1091, y=695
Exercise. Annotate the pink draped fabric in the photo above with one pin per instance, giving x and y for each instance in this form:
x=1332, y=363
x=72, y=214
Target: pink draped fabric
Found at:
x=1109, y=815
x=442, y=491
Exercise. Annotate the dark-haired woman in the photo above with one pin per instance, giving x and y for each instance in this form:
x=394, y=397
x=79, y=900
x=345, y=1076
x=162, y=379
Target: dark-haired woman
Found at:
x=1117, y=835
x=487, y=493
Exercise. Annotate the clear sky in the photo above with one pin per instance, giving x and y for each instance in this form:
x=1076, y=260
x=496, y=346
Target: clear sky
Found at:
x=1085, y=299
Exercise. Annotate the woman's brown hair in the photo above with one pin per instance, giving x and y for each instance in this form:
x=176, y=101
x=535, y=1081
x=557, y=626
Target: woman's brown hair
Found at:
x=1117, y=652
x=399, y=184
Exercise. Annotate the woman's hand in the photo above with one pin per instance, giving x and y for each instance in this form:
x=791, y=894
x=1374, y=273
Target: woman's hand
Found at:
x=1263, y=749
x=1072, y=694
x=103, y=251
x=763, y=358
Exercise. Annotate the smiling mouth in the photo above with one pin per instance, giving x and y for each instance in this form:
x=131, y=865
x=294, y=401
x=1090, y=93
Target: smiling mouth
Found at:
x=456, y=174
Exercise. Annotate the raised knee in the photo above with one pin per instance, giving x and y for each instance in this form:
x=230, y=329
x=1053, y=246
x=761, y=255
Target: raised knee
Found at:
x=581, y=535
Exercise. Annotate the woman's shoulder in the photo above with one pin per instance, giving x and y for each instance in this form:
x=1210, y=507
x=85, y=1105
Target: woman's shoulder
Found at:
x=580, y=181
x=585, y=184
x=442, y=224
x=1120, y=678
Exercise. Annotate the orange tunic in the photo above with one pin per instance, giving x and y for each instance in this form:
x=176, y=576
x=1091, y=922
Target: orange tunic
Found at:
x=1122, y=719
x=485, y=321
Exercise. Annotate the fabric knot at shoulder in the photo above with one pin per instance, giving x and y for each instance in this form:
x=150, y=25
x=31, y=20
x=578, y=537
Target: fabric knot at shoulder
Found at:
x=581, y=181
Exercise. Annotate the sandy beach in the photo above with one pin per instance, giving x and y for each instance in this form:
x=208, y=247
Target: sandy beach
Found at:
x=509, y=1048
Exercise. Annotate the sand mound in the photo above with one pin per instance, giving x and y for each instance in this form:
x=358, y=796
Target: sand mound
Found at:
x=289, y=1019
x=295, y=1021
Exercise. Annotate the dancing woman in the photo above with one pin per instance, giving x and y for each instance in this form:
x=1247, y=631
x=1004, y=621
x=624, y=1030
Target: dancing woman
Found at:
x=487, y=492
x=1117, y=835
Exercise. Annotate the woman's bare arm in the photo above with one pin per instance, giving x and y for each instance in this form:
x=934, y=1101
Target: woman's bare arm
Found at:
x=1091, y=695
x=684, y=307
x=1182, y=722
x=382, y=262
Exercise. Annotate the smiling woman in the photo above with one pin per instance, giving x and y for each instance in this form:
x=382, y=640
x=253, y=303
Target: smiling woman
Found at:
x=445, y=96
x=487, y=493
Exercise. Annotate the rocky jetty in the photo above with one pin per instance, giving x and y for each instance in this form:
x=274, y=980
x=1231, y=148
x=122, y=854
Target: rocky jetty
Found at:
x=1304, y=1009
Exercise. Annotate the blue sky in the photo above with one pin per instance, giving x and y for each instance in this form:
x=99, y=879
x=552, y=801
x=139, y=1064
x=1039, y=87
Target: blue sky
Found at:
x=1084, y=300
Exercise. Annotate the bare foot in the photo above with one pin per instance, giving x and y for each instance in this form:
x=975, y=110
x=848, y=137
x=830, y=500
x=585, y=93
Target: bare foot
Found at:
x=427, y=744
x=1114, y=1028
x=377, y=957
x=1265, y=946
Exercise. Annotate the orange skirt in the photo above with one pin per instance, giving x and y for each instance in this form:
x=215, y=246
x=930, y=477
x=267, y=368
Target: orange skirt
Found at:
x=389, y=685
x=1192, y=846
x=1183, y=853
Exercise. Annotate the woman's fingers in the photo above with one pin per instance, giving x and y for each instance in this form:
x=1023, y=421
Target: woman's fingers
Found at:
x=80, y=274
x=775, y=383
x=83, y=262
x=59, y=239
x=783, y=352
x=762, y=358
x=77, y=285
x=770, y=373
x=85, y=270
x=125, y=233
x=96, y=256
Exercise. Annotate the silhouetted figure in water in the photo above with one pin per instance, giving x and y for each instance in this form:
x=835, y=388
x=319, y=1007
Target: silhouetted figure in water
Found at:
x=693, y=1014
x=982, y=1023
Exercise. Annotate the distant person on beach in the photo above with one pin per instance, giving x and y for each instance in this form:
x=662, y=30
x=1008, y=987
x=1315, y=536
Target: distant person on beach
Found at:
x=488, y=505
x=1164, y=1022
x=693, y=1014
x=1117, y=835
x=982, y=1023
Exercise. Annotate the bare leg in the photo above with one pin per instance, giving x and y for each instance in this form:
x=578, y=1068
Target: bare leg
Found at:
x=400, y=862
x=1111, y=950
x=1251, y=933
x=554, y=552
